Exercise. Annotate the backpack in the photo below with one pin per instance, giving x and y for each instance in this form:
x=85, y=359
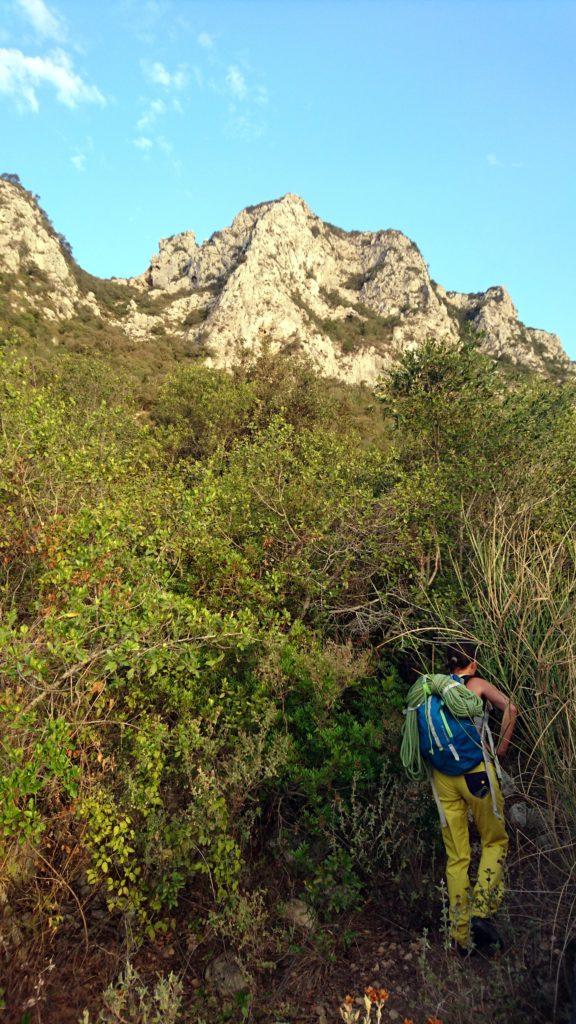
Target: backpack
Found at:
x=450, y=744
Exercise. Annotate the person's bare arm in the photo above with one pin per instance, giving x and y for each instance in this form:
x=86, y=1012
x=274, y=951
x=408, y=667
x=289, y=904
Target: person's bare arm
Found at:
x=509, y=710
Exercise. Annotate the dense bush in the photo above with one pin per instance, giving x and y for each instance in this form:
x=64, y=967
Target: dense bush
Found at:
x=202, y=608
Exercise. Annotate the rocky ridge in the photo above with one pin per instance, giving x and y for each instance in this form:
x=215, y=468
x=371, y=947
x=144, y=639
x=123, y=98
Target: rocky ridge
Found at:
x=277, y=277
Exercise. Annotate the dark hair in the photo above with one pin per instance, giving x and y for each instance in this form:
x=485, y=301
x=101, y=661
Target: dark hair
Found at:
x=460, y=654
x=410, y=667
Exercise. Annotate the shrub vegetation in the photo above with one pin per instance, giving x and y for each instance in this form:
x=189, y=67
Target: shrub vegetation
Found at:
x=202, y=609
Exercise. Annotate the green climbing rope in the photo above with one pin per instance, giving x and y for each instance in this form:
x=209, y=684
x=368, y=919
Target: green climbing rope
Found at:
x=463, y=703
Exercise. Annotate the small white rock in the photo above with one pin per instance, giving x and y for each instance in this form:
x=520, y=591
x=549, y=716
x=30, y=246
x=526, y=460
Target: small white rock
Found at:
x=299, y=914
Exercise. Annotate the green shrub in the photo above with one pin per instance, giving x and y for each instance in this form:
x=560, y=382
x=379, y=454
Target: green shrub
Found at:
x=131, y=1001
x=191, y=600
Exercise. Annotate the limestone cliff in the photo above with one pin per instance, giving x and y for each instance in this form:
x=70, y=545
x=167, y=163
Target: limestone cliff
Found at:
x=278, y=276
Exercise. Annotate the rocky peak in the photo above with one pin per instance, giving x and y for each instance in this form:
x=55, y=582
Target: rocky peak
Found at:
x=31, y=250
x=277, y=276
x=181, y=262
x=176, y=259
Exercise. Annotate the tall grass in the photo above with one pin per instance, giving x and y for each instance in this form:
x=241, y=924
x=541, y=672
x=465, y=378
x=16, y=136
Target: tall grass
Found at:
x=517, y=595
x=519, y=598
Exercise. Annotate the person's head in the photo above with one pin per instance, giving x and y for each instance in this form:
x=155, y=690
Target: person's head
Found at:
x=461, y=657
x=410, y=667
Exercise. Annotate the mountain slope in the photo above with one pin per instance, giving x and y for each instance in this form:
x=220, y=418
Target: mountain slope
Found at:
x=277, y=277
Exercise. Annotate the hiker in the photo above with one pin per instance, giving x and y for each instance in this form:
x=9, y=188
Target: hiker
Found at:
x=447, y=726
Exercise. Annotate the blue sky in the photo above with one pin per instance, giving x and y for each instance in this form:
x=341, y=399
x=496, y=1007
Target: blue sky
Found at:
x=450, y=121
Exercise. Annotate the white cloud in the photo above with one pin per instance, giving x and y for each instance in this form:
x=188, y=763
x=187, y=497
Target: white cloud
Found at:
x=206, y=40
x=242, y=92
x=495, y=161
x=79, y=161
x=42, y=19
x=160, y=75
x=244, y=126
x=22, y=76
x=155, y=109
x=236, y=82
x=160, y=145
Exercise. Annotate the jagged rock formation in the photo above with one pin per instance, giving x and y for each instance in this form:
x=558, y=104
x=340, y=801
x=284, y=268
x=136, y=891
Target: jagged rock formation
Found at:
x=278, y=277
x=29, y=248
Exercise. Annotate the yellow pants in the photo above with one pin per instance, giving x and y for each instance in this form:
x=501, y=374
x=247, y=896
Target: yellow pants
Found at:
x=456, y=799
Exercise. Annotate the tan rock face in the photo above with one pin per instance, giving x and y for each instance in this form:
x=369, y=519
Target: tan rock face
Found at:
x=27, y=246
x=398, y=285
x=494, y=314
x=288, y=279
x=280, y=277
x=176, y=255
